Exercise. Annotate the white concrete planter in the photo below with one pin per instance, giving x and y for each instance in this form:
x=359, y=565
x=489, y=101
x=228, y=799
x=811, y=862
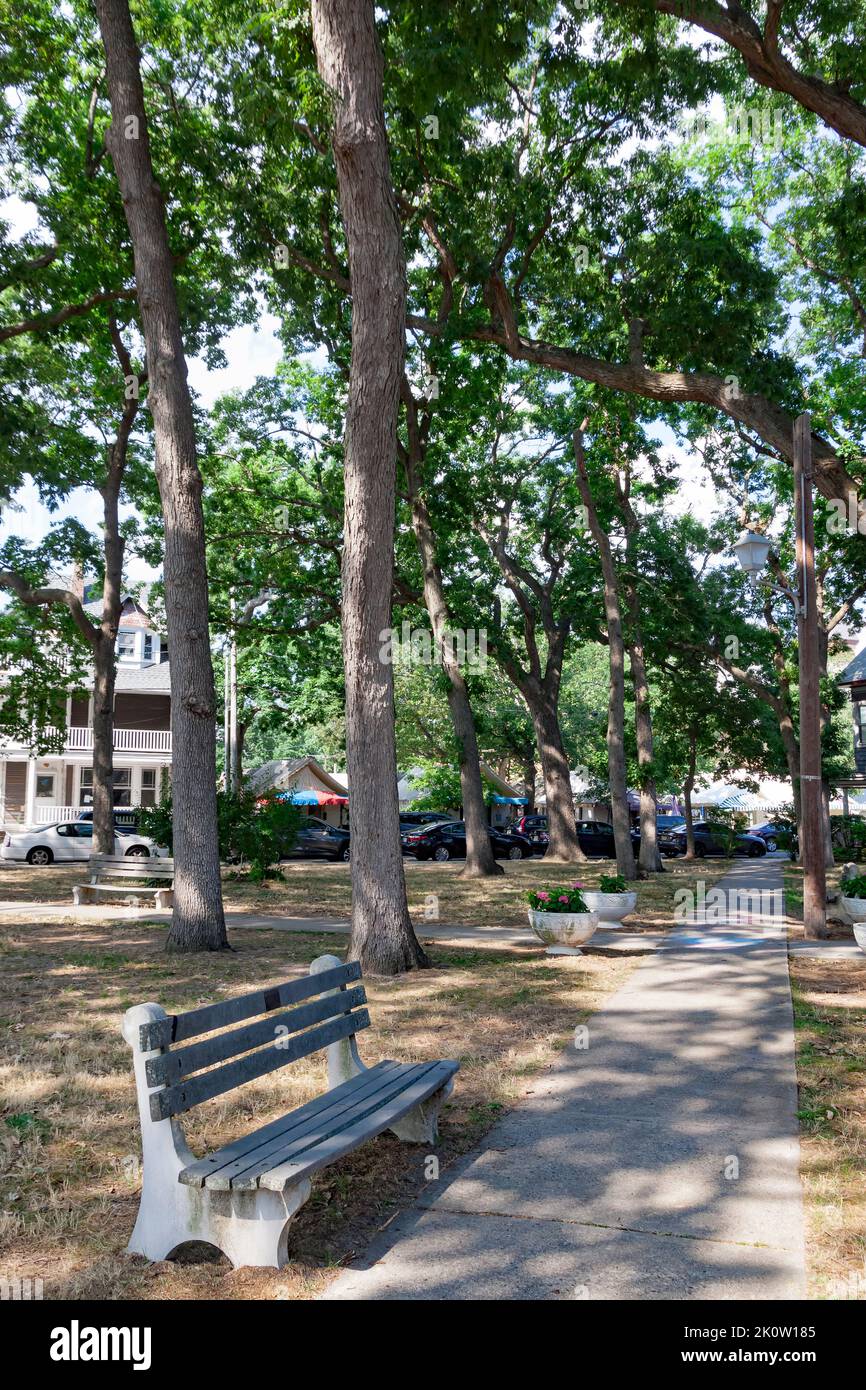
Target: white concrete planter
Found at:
x=860, y=934
x=611, y=907
x=563, y=933
x=855, y=907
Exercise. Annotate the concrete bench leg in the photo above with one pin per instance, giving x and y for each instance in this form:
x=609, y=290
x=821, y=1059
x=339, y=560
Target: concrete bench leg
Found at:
x=421, y=1125
x=250, y=1227
x=82, y=894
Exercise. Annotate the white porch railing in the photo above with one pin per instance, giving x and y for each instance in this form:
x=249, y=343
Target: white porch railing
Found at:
x=50, y=815
x=125, y=740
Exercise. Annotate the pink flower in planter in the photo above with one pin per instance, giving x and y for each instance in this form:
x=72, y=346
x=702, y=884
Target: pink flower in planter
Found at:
x=563, y=898
x=577, y=885
x=545, y=897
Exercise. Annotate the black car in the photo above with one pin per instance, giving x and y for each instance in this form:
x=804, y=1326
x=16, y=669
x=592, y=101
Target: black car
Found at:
x=713, y=838
x=770, y=832
x=123, y=820
x=316, y=840
x=411, y=818
x=447, y=840
x=595, y=838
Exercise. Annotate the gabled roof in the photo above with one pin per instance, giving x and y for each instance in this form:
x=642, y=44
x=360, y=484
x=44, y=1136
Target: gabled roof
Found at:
x=855, y=671
x=131, y=612
x=144, y=680
x=282, y=772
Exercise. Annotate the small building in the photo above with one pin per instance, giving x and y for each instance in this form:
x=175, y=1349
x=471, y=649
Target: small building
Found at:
x=313, y=790
x=41, y=790
x=501, y=796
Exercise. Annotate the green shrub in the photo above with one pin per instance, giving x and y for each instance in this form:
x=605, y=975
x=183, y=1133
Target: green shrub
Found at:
x=612, y=883
x=253, y=829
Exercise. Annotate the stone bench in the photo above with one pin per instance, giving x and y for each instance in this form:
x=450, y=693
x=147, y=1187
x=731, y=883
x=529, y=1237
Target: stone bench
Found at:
x=242, y=1197
x=127, y=867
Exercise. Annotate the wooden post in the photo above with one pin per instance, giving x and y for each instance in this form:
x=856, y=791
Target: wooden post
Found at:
x=812, y=811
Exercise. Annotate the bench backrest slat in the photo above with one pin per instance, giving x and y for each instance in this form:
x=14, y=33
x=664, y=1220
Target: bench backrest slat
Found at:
x=173, y=1100
x=123, y=861
x=171, y=1067
x=178, y=1027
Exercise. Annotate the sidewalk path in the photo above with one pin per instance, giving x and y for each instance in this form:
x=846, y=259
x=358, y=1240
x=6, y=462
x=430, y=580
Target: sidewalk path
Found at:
x=661, y=1162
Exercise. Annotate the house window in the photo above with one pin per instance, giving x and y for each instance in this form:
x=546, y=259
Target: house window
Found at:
x=859, y=712
x=45, y=784
x=125, y=645
x=148, y=647
x=148, y=786
x=122, y=787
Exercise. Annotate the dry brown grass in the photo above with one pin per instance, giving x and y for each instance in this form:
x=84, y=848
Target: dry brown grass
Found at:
x=310, y=889
x=830, y=1034
x=70, y=1143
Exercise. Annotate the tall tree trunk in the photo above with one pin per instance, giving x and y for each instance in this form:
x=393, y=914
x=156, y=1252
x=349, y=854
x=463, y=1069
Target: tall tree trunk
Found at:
x=616, y=698
x=103, y=747
x=350, y=64
x=198, y=923
x=105, y=644
x=650, y=860
x=561, y=829
x=688, y=788
x=529, y=784
x=480, y=861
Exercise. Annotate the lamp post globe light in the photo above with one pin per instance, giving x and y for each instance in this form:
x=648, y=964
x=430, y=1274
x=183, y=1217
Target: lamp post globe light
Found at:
x=752, y=550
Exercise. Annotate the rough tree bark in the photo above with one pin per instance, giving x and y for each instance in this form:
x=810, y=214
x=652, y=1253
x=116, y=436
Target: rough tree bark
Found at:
x=480, y=861
x=539, y=685
x=688, y=788
x=650, y=859
x=616, y=699
x=350, y=64
x=198, y=923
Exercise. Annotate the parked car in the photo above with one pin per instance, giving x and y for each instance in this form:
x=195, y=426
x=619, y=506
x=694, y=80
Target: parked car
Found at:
x=769, y=831
x=669, y=822
x=316, y=840
x=48, y=844
x=409, y=818
x=527, y=825
x=595, y=838
x=447, y=840
x=713, y=838
x=123, y=820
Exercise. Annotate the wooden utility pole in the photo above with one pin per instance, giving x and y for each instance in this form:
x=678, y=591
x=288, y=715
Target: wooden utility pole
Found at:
x=812, y=811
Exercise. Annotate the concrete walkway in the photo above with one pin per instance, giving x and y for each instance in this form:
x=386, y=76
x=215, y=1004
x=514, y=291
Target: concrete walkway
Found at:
x=660, y=1162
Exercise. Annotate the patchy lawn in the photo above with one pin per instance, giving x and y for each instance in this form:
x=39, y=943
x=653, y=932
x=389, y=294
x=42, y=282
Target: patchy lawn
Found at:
x=69, y=1140
x=830, y=1038
x=438, y=893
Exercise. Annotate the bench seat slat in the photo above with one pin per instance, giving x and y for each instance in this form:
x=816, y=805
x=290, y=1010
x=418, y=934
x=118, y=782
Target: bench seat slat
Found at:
x=173, y=1100
x=343, y=1142
x=172, y=1066
x=240, y=1151
x=358, y=1097
x=179, y=1027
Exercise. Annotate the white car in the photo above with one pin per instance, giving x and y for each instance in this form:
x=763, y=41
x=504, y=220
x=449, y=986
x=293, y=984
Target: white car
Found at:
x=49, y=844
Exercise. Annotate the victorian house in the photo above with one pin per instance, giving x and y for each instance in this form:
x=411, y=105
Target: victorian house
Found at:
x=39, y=790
